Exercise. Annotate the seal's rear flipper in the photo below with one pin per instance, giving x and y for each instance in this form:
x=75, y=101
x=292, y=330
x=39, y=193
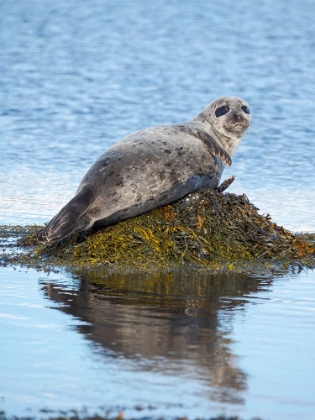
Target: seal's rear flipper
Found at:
x=70, y=219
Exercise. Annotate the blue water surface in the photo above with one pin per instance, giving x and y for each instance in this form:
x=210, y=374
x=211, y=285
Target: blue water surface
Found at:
x=187, y=347
x=78, y=76
x=75, y=77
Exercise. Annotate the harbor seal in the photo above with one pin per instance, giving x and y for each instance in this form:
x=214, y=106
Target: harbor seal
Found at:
x=154, y=167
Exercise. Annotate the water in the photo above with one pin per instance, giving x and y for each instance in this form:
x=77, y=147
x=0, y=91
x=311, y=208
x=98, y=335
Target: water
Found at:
x=77, y=76
x=172, y=344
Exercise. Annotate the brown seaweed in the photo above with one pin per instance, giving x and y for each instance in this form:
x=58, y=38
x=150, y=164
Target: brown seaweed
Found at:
x=210, y=230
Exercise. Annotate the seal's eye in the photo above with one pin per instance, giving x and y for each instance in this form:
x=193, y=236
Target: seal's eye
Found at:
x=221, y=111
x=246, y=109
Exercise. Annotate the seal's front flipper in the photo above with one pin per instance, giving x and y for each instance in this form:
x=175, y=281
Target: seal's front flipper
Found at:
x=225, y=184
x=70, y=219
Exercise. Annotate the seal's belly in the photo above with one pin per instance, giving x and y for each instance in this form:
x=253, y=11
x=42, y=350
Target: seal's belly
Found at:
x=176, y=192
x=148, y=169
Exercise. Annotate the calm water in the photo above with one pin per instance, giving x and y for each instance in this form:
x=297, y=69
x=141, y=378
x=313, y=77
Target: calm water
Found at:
x=75, y=77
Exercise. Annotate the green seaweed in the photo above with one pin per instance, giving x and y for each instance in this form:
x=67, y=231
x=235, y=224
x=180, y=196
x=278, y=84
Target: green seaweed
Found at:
x=209, y=230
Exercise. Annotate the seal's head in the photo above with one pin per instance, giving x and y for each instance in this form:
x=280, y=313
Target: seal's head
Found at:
x=229, y=118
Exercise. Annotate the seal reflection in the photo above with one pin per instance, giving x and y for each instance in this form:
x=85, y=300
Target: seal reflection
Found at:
x=172, y=323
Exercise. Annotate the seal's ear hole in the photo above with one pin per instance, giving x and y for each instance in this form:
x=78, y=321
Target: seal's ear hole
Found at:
x=221, y=111
x=246, y=109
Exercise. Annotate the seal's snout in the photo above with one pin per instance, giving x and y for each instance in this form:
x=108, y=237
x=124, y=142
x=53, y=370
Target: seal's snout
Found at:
x=238, y=118
x=237, y=122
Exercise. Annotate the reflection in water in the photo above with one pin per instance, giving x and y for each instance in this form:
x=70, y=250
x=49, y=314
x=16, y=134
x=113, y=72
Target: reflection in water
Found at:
x=171, y=323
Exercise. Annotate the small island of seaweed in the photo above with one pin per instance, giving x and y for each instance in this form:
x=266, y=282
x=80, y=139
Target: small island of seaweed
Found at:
x=210, y=230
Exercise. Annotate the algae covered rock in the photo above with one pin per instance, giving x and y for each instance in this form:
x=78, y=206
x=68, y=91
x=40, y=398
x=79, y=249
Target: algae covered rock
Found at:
x=202, y=229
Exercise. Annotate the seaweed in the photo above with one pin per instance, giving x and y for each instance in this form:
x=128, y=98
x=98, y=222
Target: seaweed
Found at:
x=212, y=230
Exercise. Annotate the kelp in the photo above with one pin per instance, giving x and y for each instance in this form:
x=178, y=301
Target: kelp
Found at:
x=209, y=229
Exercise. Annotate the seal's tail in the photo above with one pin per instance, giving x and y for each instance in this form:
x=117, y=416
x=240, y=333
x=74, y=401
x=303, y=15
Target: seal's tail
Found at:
x=70, y=219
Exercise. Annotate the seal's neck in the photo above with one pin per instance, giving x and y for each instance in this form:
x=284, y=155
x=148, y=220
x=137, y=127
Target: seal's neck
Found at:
x=229, y=144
